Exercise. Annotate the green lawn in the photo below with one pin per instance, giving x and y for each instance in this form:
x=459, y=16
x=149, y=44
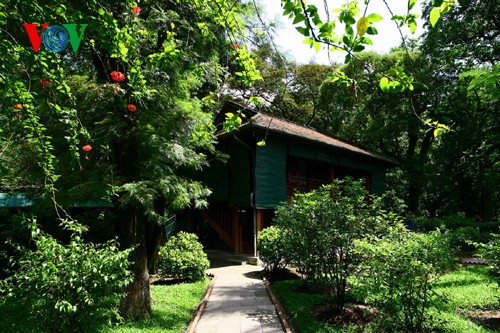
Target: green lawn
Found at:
x=459, y=294
x=173, y=307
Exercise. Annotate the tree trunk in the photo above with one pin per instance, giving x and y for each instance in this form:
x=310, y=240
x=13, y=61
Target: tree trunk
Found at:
x=154, y=235
x=137, y=302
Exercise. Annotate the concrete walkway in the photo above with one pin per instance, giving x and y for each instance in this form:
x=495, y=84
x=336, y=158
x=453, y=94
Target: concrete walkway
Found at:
x=238, y=303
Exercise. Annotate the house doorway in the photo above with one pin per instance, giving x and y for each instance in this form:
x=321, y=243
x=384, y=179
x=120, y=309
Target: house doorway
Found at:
x=246, y=230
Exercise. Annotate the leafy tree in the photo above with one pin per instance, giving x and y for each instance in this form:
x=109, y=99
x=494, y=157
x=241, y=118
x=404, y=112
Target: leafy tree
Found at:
x=440, y=175
x=123, y=118
x=464, y=46
x=287, y=89
x=361, y=112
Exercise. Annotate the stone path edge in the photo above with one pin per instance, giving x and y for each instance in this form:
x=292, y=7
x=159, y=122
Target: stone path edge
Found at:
x=277, y=306
x=201, y=307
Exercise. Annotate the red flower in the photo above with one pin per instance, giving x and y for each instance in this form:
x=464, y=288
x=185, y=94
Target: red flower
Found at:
x=44, y=83
x=18, y=106
x=136, y=10
x=117, y=76
x=235, y=46
x=87, y=148
x=131, y=107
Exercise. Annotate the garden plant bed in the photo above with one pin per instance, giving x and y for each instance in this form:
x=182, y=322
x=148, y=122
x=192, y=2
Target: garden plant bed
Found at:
x=466, y=302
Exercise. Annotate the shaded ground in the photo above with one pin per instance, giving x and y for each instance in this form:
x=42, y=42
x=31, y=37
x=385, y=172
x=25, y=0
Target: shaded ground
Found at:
x=487, y=318
x=353, y=314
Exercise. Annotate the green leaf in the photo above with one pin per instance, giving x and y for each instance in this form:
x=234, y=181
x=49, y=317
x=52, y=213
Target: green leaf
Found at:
x=348, y=19
x=384, y=84
x=303, y=31
x=411, y=3
x=123, y=49
x=434, y=16
x=346, y=40
x=101, y=11
x=362, y=26
x=358, y=48
x=299, y=18
x=317, y=46
x=371, y=31
x=412, y=25
x=366, y=41
x=372, y=18
x=308, y=41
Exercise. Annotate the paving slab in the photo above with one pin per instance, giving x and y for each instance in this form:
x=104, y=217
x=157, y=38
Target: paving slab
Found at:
x=238, y=303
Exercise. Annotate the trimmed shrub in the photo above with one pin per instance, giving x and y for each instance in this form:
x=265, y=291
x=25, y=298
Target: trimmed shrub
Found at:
x=183, y=257
x=272, y=246
x=69, y=287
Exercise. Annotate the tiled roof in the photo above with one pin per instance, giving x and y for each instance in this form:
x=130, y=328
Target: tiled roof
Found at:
x=274, y=124
x=256, y=119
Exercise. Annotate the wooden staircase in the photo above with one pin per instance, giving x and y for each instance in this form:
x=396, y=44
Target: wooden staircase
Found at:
x=219, y=218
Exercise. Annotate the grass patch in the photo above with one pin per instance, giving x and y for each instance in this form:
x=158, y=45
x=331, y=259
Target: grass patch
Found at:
x=173, y=307
x=459, y=294
x=298, y=306
x=468, y=289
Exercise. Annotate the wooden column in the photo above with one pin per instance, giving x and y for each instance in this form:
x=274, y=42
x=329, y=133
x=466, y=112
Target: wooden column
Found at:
x=236, y=241
x=260, y=221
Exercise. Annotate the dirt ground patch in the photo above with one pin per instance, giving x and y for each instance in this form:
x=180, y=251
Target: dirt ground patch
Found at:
x=487, y=318
x=353, y=314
